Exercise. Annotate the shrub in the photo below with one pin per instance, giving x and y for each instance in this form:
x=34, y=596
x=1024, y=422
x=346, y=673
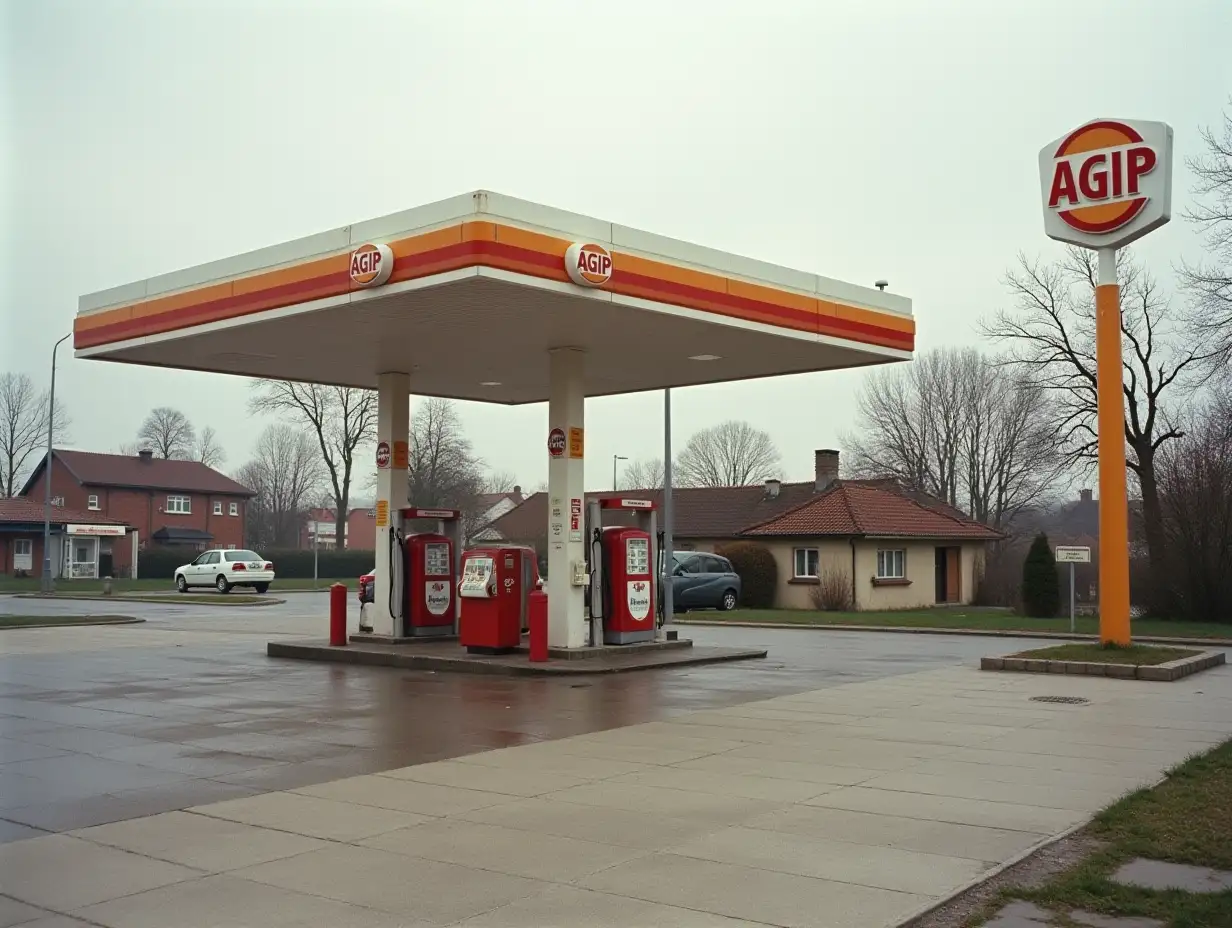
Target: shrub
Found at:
x=758, y=572
x=1041, y=592
x=833, y=590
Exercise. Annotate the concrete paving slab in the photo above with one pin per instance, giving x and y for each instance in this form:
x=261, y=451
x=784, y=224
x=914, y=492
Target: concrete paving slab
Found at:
x=974, y=786
x=37, y=871
x=1005, y=815
x=972, y=842
x=536, y=759
x=503, y=850
x=705, y=808
x=56, y=921
x=779, y=769
x=429, y=890
x=629, y=753
x=509, y=782
x=226, y=901
x=1161, y=875
x=1010, y=772
x=312, y=816
x=641, y=830
x=403, y=795
x=757, y=895
x=212, y=845
x=13, y=912
x=570, y=907
x=879, y=867
x=744, y=786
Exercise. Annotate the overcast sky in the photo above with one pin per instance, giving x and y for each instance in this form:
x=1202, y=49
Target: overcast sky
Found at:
x=858, y=140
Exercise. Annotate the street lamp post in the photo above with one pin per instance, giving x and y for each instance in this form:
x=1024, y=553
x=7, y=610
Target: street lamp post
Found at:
x=615, y=458
x=47, y=585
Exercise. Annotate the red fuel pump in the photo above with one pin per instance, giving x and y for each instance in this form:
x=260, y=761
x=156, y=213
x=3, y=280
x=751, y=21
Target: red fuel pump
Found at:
x=426, y=572
x=494, y=597
x=624, y=587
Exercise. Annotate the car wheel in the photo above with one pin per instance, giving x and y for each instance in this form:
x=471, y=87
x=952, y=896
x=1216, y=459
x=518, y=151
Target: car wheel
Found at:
x=728, y=602
x=181, y=584
x=222, y=585
x=261, y=587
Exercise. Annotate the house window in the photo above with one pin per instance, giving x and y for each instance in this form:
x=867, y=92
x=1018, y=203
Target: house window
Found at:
x=805, y=562
x=234, y=510
x=217, y=508
x=892, y=564
x=92, y=502
x=180, y=504
x=23, y=547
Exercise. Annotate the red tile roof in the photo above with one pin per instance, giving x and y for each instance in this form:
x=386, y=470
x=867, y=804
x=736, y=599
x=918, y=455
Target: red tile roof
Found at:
x=122, y=470
x=22, y=509
x=878, y=508
x=697, y=512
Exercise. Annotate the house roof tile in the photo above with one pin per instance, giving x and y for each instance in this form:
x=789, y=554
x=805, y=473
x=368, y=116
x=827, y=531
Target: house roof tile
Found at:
x=122, y=470
x=878, y=508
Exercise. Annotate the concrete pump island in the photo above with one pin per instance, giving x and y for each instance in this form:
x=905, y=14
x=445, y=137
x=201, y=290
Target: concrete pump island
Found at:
x=486, y=297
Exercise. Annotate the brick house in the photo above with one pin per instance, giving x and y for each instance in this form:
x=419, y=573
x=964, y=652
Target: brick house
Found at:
x=84, y=545
x=899, y=549
x=174, y=504
x=360, y=529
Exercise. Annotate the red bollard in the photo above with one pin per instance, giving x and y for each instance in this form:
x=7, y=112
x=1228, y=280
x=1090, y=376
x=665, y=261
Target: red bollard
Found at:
x=338, y=615
x=538, y=621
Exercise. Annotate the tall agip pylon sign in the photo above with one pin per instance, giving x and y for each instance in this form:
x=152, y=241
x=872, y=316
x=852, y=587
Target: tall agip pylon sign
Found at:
x=1104, y=185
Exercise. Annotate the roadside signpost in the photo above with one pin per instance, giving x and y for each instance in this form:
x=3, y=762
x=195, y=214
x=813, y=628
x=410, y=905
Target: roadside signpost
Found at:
x=1071, y=555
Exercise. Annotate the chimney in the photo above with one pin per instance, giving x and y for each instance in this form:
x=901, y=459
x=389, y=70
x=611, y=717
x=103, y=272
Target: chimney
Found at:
x=517, y=494
x=772, y=488
x=825, y=468
x=1084, y=496
x=146, y=455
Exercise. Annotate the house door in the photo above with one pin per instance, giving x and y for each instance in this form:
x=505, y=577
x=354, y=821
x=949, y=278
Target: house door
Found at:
x=106, y=561
x=948, y=576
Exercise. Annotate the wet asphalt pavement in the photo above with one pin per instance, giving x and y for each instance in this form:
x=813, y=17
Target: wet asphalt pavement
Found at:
x=110, y=723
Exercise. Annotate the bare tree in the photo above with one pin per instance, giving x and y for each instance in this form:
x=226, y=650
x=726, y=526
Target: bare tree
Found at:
x=1195, y=482
x=960, y=427
x=443, y=470
x=209, y=450
x=23, y=429
x=1050, y=336
x=730, y=454
x=285, y=473
x=910, y=423
x=168, y=433
x=501, y=481
x=342, y=419
x=1209, y=283
x=644, y=475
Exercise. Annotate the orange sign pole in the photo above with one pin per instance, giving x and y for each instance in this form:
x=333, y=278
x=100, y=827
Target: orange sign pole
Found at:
x=1113, y=496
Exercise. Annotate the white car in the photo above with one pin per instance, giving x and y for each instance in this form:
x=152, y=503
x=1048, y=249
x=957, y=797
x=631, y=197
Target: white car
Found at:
x=224, y=569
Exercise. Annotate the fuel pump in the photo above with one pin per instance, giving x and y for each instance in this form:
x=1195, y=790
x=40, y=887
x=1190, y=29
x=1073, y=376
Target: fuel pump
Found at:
x=423, y=572
x=623, y=570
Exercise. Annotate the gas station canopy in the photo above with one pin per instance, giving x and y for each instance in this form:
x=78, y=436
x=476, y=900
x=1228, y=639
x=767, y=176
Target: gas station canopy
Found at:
x=479, y=293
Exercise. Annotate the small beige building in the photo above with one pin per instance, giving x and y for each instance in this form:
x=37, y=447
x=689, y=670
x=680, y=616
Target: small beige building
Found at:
x=897, y=549
x=888, y=548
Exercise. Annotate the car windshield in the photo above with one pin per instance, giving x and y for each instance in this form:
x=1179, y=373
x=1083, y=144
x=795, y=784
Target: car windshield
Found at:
x=241, y=555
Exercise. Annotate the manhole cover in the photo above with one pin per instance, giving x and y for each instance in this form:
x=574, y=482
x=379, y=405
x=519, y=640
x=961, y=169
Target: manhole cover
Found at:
x=1066, y=700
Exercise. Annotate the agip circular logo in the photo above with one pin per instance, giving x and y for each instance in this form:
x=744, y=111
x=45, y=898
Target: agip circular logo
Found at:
x=588, y=265
x=371, y=265
x=1100, y=177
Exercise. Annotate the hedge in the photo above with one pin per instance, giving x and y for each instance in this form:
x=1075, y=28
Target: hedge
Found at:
x=758, y=572
x=153, y=563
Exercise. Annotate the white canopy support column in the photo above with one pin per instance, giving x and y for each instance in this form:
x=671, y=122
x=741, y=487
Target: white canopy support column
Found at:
x=393, y=429
x=566, y=495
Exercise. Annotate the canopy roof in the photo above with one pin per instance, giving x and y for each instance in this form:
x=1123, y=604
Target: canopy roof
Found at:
x=477, y=297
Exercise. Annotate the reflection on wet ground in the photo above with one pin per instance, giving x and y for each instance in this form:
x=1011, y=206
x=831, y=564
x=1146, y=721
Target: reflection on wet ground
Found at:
x=91, y=736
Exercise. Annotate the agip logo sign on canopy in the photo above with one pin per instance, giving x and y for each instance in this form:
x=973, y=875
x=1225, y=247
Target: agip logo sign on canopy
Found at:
x=371, y=265
x=1107, y=183
x=588, y=265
